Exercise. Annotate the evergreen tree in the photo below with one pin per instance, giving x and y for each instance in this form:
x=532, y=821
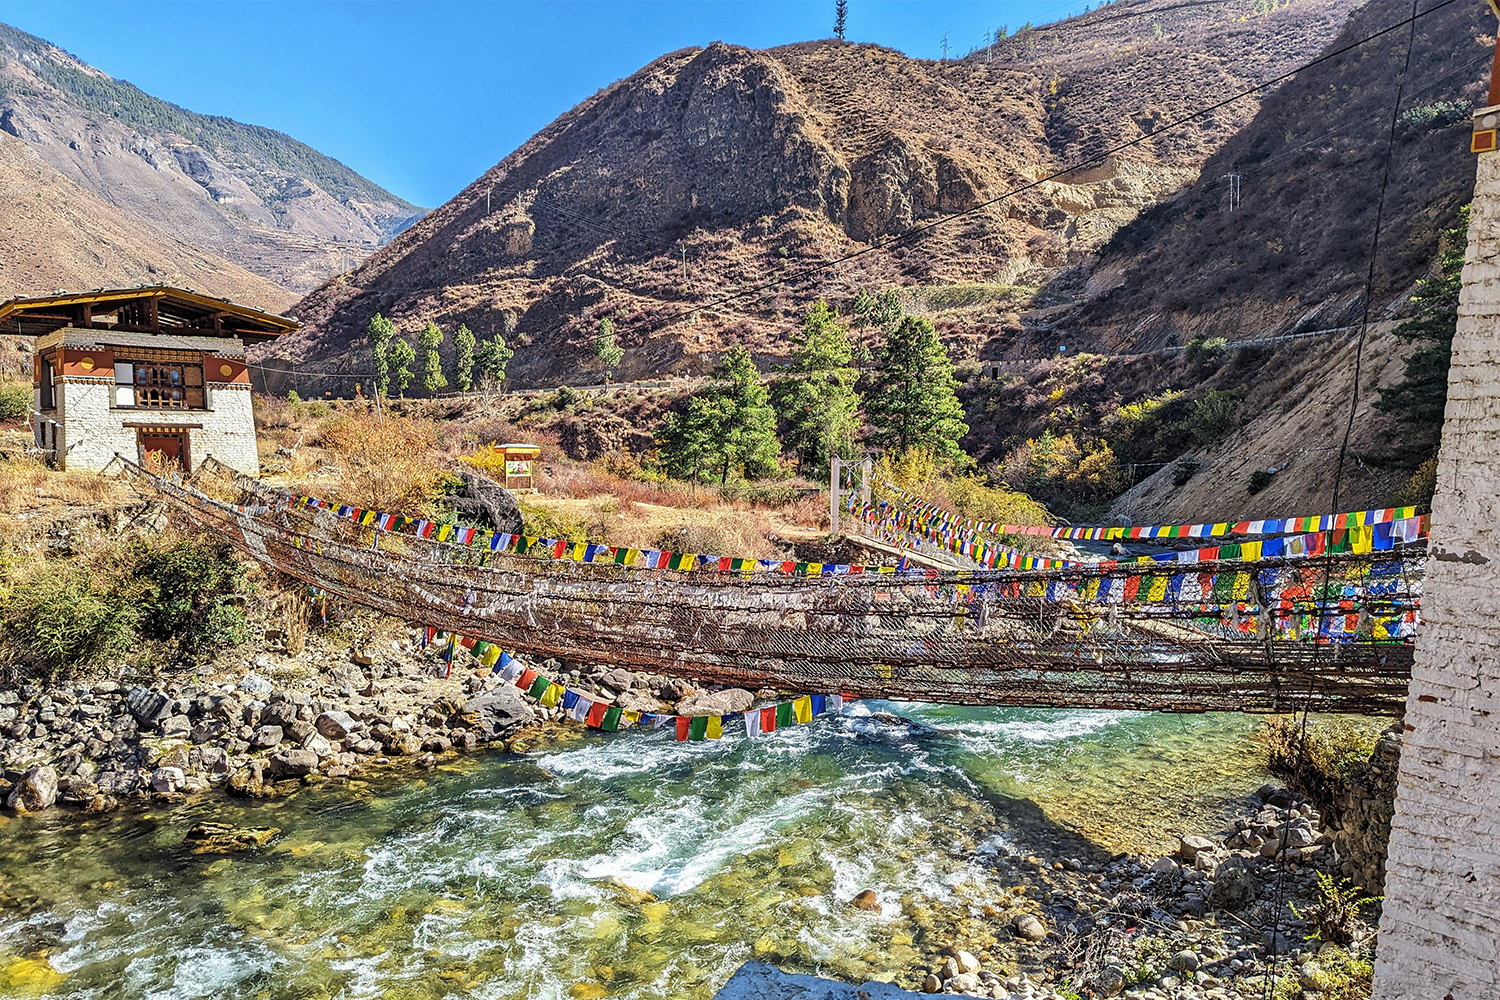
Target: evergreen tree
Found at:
x=463, y=358
x=379, y=333
x=1421, y=396
x=912, y=402
x=874, y=313
x=815, y=398
x=433, y=379
x=492, y=358
x=728, y=426
x=401, y=356
x=606, y=350
x=840, y=18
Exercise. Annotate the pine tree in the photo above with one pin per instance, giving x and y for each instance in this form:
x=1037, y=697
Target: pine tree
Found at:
x=379, y=333
x=912, y=402
x=433, y=379
x=492, y=359
x=840, y=18
x=463, y=358
x=606, y=350
x=400, y=357
x=726, y=427
x=815, y=399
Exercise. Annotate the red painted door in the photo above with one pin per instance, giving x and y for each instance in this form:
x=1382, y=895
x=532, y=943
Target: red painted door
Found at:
x=161, y=451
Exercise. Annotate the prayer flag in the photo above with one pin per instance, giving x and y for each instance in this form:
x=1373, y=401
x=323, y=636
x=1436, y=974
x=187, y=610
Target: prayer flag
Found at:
x=580, y=710
x=596, y=714
x=714, y=727
x=768, y=719
x=569, y=699
x=611, y=721
x=491, y=656
x=752, y=722
x=803, y=708
x=551, y=696
x=785, y=715
x=527, y=678
x=836, y=703
x=510, y=667
x=538, y=687
x=683, y=728
x=819, y=704
x=698, y=727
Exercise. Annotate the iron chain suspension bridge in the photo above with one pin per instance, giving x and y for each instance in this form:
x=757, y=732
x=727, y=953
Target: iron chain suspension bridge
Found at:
x=1326, y=630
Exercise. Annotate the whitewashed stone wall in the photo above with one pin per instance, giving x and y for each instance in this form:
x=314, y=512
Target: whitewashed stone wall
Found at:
x=1440, y=933
x=91, y=432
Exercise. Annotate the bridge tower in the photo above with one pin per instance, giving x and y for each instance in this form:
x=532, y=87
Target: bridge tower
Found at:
x=1440, y=932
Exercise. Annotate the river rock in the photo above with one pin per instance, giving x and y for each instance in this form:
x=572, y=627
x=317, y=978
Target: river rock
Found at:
x=266, y=737
x=1184, y=961
x=618, y=679
x=496, y=712
x=37, y=790
x=637, y=700
x=1164, y=865
x=150, y=708
x=168, y=779
x=1190, y=847
x=336, y=725
x=965, y=961
x=292, y=763
x=1029, y=927
x=931, y=984
x=482, y=500
x=717, y=703
x=1110, y=981
x=254, y=684
x=866, y=900
x=964, y=982
x=318, y=744
x=221, y=838
x=1235, y=886
x=176, y=727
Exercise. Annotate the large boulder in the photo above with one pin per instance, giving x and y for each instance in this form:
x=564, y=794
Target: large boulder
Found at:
x=335, y=725
x=37, y=790
x=481, y=500
x=1235, y=886
x=150, y=708
x=168, y=779
x=717, y=703
x=639, y=701
x=495, y=713
x=292, y=763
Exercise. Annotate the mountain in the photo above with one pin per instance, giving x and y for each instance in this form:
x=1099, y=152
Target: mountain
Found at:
x=249, y=194
x=698, y=201
x=54, y=234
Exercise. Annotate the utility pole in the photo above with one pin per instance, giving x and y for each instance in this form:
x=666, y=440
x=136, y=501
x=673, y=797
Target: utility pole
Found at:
x=1234, y=190
x=833, y=494
x=487, y=199
x=945, y=46
x=683, y=244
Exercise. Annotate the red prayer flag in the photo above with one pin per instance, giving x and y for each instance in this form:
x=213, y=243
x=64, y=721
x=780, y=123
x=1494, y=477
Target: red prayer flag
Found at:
x=596, y=714
x=767, y=720
x=682, y=728
x=527, y=678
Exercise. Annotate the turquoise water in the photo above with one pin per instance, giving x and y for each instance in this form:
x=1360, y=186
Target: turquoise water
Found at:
x=621, y=865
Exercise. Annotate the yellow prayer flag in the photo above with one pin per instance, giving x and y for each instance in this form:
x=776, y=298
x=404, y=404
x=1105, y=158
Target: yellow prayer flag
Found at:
x=631, y=555
x=1250, y=551
x=715, y=727
x=1241, y=586
x=578, y=550
x=491, y=656
x=1363, y=539
x=814, y=569
x=803, y=707
x=551, y=696
x=1158, y=590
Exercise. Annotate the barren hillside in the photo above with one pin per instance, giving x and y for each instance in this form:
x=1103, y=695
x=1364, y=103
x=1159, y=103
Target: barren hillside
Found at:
x=54, y=234
x=252, y=195
x=713, y=171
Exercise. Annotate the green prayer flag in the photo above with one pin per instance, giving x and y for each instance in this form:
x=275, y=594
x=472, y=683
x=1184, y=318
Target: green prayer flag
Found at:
x=698, y=727
x=539, y=687
x=611, y=718
x=786, y=715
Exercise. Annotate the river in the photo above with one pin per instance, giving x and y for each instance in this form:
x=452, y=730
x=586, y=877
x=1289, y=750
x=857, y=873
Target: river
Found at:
x=527, y=874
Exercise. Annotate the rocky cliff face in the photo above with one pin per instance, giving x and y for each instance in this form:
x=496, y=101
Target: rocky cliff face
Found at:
x=251, y=195
x=723, y=171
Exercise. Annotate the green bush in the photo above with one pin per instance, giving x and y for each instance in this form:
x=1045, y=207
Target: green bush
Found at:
x=186, y=593
x=1214, y=416
x=1322, y=758
x=1185, y=470
x=61, y=618
x=15, y=402
x=1205, y=350
x=1259, y=480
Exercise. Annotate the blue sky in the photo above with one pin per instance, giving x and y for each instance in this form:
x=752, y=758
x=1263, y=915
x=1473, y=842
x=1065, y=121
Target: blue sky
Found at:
x=423, y=97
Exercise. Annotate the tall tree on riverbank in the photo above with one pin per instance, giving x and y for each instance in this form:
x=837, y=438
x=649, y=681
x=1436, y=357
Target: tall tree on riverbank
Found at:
x=492, y=358
x=433, y=378
x=606, y=350
x=463, y=357
x=912, y=402
x=815, y=399
x=726, y=427
x=379, y=334
x=401, y=356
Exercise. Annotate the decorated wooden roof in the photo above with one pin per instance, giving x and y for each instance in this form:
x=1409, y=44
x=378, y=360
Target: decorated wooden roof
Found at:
x=149, y=309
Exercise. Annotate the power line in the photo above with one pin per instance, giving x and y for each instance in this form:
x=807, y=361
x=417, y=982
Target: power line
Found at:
x=1087, y=161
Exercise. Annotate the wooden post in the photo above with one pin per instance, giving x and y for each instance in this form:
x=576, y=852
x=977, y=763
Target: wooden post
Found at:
x=833, y=496
x=866, y=470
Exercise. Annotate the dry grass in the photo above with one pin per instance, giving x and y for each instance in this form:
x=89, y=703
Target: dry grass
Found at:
x=390, y=464
x=919, y=473
x=27, y=484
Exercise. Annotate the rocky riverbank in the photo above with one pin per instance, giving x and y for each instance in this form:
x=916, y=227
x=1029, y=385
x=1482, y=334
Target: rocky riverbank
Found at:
x=1209, y=922
x=277, y=722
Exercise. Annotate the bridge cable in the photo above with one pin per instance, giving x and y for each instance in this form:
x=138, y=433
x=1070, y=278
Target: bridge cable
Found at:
x=1280, y=892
